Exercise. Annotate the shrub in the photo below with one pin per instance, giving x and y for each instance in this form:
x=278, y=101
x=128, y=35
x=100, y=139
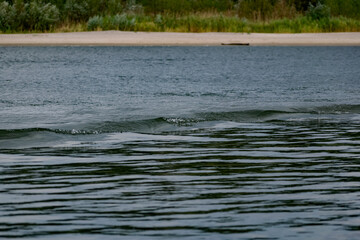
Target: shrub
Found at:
x=117, y=22
x=18, y=15
x=94, y=23
x=41, y=16
x=159, y=22
x=133, y=8
x=35, y=15
x=77, y=10
x=114, y=7
x=318, y=12
x=158, y=19
x=5, y=16
x=120, y=22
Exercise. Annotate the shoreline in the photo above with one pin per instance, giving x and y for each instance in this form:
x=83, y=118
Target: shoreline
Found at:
x=123, y=38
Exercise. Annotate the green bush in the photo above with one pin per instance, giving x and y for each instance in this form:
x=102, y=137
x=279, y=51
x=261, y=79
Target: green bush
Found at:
x=5, y=16
x=117, y=22
x=133, y=8
x=114, y=7
x=20, y=16
x=120, y=22
x=41, y=16
x=159, y=22
x=318, y=12
x=94, y=23
x=77, y=10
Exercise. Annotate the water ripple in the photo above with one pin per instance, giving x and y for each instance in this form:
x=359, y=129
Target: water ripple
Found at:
x=247, y=182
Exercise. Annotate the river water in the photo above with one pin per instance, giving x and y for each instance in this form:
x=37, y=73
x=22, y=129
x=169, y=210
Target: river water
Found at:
x=180, y=142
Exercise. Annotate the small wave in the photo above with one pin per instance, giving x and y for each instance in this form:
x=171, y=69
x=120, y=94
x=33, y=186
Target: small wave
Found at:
x=147, y=125
x=183, y=121
x=338, y=109
x=159, y=124
x=243, y=116
x=14, y=133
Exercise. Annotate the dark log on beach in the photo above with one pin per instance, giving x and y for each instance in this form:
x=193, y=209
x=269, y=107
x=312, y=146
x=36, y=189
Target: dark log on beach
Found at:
x=236, y=44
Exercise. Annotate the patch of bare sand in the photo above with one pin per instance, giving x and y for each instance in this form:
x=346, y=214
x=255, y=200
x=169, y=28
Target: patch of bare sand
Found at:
x=119, y=38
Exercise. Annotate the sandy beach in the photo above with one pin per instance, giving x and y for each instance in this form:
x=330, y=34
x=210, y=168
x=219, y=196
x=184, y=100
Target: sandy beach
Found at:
x=119, y=38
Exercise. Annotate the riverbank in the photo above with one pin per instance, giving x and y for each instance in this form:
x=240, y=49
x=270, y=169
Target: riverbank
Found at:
x=120, y=38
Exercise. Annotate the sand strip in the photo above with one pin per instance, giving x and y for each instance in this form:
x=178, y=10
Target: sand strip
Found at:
x=119, y=38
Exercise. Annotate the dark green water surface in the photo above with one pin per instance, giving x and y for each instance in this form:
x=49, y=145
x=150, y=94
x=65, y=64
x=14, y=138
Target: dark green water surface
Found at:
x=180, y=143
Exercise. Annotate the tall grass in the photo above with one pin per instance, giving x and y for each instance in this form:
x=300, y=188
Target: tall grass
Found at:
x=221, y=23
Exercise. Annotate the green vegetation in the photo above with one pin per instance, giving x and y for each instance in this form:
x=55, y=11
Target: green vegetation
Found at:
x=22, y=16
x=292, y=16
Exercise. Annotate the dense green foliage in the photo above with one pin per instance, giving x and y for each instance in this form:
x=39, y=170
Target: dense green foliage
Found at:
x=180, y=15
x=318, y=12
x=34, y=15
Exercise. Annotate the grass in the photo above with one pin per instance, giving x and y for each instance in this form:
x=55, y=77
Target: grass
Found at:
x=221, y=23
x=207, y=23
